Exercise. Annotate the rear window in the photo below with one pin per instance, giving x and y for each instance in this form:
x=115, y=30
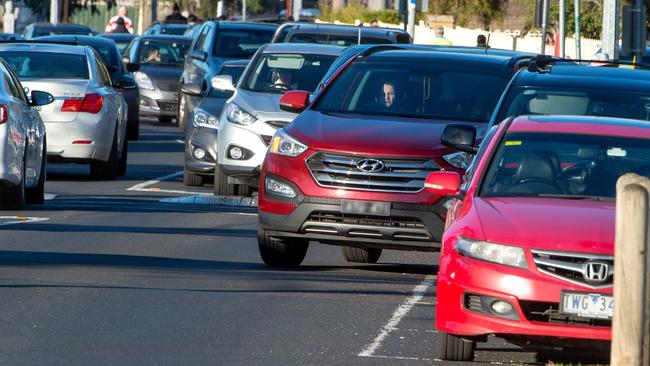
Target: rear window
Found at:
x=242, y=43
x=336, y=39
x=427, y=89
x=174, y=31
x=163, y=52
x=51, y=65
x=41, y=32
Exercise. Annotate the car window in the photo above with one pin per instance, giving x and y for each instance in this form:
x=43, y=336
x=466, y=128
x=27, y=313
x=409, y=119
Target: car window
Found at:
x=41, y=32
x=458, y=90
x=538, y=164
x=235, y=43
x=173, y=30
x=403, y=38
x=161, y=52
x=576, y=101
x=232, y=70
x=104, y=75
x=277, y=73
x=43, y=65
x=11, y=86
x=335, y=39
x=200, y=43
x=108, y=54
x=20, y=91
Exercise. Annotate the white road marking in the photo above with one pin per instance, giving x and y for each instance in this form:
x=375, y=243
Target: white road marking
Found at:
x=402, y=310
x=402, y=358
x=50, y=196
x=180, y=141
x=20, y=220
x=144, y=187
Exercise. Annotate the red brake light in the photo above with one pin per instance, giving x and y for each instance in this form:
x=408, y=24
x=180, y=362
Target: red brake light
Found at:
x=91, y=103
x=4, y=114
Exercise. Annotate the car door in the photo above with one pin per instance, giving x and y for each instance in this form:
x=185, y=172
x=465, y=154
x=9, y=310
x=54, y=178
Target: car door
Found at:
x=115, y=100
x=199, y=68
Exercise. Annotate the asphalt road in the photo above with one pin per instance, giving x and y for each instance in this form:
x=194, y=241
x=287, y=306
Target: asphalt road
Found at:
x=146, y=271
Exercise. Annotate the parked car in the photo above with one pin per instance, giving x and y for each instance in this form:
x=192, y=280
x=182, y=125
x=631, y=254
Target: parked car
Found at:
x=341, y=35
x=48, y=29
x=121, y=39
x=562, y=87
x=218, y=42
x=350, y=169
x=86, y=123
x=201, y=131
x=253, y=114
x=528, y=251
x=23, y=153
x=120, y=74
x=161, y=65
x=170, y=29
x=10, y=37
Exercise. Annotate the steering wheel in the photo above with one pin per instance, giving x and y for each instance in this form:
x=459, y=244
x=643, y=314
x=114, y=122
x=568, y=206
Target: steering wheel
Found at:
x=538, y=180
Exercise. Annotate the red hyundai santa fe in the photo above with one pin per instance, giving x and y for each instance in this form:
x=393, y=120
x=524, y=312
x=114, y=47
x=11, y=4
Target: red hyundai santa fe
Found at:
x=350, y=169
x=529, y=242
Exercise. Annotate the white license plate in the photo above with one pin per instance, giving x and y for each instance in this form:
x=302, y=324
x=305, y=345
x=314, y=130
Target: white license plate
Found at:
x=587, y=305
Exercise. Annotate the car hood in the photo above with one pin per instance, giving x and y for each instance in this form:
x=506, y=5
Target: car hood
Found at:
x=264, y=106
x=166, y=77
x=371, y=135
x=549, y=224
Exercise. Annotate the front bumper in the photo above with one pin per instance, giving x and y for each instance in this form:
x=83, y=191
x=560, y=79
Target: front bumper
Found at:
x=61, y=137
x=534, y=296
x=206, y=139
x=254, y=140
x=156, y=103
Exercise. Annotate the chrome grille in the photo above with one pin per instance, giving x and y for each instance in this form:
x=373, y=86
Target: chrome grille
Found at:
x=167, y=106
x=572, y=267
x=398, y=175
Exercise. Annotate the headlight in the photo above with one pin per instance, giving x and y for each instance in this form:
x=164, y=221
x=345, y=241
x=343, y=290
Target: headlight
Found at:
x=201, y=118
x=460, y=160
x=143, y=81
x=237, y=115
x=491, y=252
x=283, y=144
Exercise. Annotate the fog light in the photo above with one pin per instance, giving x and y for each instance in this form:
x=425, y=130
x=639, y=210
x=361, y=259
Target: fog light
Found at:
x=279, y=188
x=236, y=153
x=501, y=307
x=199, y=153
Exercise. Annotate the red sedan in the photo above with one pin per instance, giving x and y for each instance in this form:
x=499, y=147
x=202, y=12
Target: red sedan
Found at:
x=529, y=242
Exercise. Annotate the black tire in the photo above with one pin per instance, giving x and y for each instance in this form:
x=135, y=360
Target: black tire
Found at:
x=285, y=252
x=192, y=179
x=165, y=120
x=106, y=169
x=221, y=185
x=133, y=130
x=13, y=198
x=453, y=348
x=361, y=255
x=123, y=163
x=36, y=195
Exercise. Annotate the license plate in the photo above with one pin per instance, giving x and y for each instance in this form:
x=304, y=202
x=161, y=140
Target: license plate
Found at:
x=587, y=305
x=365, y=208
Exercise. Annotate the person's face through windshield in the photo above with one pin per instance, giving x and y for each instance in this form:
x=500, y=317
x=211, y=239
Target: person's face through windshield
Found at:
x=154, y=55
x=388, y=94
x=285, y=77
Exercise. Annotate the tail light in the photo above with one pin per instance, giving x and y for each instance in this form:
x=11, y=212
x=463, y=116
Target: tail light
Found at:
x=91, y=103
x=4, y=114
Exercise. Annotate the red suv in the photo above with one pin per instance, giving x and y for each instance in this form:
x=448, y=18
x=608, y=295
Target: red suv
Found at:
x=350, y=169
x=528, y=248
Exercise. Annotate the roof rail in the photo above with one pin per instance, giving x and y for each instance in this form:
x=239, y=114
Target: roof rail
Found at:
x=540, y=63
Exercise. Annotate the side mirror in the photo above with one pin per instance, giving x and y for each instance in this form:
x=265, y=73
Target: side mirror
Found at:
x=40, y=98
x=131, y=67
x=443, y=183
x=126, y=60
x=192, y=89
x=223, y=83
x=294, y=101
x=460, y=137
x=199, y=55
x=126, y=82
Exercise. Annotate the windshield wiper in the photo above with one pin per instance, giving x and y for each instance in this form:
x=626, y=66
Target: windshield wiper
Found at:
x=575, y=197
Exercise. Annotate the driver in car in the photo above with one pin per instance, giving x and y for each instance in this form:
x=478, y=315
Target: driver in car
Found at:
x=154, y=55
x=284, y=79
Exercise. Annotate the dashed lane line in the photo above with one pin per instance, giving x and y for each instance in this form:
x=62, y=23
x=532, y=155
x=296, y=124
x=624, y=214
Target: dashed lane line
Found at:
x=12, y=220
x=146, y=186
x=402, y=310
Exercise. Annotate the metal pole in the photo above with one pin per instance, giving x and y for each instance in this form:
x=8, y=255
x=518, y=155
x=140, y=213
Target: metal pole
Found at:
x=610, y=28
x=54, y=11
x=562, y=30
x=411, y=18
x=243, y=10
x=544, y=26
x=297, y=6
x=154, y=11
x=577, y=26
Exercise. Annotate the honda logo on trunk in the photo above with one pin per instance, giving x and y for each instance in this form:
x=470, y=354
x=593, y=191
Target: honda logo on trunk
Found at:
x=370, y=165
x=597, y=272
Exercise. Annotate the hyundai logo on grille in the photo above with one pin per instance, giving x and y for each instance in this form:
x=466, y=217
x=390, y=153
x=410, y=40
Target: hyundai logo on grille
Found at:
x=370, y=165
x=597, y=272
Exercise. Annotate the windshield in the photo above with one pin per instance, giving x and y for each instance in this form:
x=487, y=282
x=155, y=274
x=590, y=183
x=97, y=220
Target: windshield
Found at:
x=163, y=52
x=336, y=39
x=174, y=30
x=277, y=73
x=563, y=165
x=416, y=88
x=47, y=65
x=232, y=43
x=574, y=101
x=235, y=72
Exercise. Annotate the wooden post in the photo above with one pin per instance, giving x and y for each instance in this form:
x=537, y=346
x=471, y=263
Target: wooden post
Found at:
x=631, y=323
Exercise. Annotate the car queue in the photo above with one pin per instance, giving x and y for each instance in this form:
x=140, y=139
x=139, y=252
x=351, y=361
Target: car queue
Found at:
x=487, y=156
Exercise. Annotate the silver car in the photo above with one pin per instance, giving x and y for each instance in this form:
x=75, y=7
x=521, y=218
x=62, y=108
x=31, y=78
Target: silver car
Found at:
x=86, y=123
x=252, y=115
x=22, y=143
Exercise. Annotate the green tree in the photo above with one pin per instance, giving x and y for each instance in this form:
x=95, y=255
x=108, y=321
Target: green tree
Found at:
x=467, y=11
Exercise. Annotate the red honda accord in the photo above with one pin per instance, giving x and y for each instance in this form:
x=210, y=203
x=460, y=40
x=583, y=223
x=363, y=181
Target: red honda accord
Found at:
x=528, y=248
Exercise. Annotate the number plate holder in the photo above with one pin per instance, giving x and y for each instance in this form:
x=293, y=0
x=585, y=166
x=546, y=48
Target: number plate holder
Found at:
x=587, y=304
x=369, y=208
